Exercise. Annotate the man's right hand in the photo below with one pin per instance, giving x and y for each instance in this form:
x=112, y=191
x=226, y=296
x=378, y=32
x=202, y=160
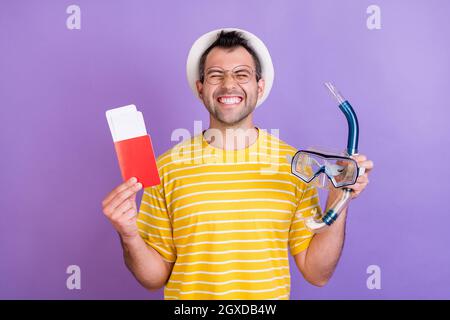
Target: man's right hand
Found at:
x=119, y=206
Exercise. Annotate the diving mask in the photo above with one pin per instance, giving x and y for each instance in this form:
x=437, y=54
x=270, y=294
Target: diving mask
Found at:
x=315, y=167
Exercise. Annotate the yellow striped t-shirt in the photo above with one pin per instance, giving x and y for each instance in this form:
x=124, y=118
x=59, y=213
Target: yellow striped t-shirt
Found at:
x=226, y=219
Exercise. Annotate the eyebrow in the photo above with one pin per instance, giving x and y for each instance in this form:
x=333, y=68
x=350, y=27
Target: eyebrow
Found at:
x=213, y=69
x=217, y=68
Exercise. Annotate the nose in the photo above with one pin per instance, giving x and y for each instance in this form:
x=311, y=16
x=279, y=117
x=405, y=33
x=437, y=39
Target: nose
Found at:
x=229, y=81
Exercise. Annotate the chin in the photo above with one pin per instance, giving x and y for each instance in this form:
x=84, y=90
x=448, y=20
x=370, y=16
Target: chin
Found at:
x=231, y=121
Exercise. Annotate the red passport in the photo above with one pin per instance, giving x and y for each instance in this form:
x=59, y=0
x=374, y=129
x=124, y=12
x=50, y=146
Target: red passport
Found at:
x=137, y=159
x=133, y=145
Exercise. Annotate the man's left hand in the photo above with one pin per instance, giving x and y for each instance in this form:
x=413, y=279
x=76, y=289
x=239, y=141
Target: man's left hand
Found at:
x=363, y=180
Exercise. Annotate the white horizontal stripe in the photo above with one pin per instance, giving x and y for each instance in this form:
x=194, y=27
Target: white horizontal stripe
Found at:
x=153, y=235
x=299, y=219
x=188, y=160
x=230, y=241
x=152, y=206
x=231, y=251
x=228, y=261
x=297, y=230
x=152, y=226
x=182, y=150
x=229, y=281
x=158, y=243
x=291, y=150
x=231, y=201
x=163, y=250
x=307, y=208
x=312, y=197
x=171, y=297
x=231, y=271
x=227, y=182
x=223, y=172
x=225, y=211
x=230, y=221
x=279, y=297
x=153, y=216
x=154, y=197
x=309, y=188
x=302, y=237
x=230, y=231
x=228, y=191
x=222, y=164
x=297, y=244
x=169, y=261
x=268, y=155
x=226, y=292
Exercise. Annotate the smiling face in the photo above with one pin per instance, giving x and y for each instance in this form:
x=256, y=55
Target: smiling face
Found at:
x=229, y=101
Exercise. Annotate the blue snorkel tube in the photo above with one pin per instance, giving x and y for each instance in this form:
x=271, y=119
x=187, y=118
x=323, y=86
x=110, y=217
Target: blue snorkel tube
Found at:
x=315, y=223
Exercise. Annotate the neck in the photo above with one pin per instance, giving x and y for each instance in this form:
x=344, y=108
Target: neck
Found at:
x=231, y=137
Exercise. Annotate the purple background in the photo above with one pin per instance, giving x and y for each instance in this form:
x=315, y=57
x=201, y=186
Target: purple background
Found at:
x=58, y=161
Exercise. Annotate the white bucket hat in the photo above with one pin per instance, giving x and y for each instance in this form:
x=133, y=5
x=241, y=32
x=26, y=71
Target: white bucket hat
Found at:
x=203, y=43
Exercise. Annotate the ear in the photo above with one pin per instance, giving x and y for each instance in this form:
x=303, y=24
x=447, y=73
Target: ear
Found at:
x=199, y=86
x=261, y=86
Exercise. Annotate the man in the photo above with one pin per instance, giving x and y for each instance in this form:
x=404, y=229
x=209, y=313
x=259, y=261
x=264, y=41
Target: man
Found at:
x=220, y=223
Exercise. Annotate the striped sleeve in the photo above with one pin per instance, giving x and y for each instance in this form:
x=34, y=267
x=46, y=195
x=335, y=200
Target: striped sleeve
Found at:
x=155, y=225
x=299, y=235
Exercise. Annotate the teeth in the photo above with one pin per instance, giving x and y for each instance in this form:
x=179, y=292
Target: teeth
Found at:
x=232, y=100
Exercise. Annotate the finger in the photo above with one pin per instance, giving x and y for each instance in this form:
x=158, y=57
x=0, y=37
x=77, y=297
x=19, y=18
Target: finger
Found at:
x=122, y=208
x=119, y=189
x=359, y=187
x=368, y=164
x=129, y=214
x=364, y=179
x=133, y=198
x=359, y=157
x=356, y=191
x=124, y=195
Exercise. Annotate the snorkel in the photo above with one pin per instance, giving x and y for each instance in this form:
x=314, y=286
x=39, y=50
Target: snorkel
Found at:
x=318, y=223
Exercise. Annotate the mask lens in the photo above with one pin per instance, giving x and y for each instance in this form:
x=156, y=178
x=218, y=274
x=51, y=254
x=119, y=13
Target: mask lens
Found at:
x=311, y=167
x=307, y=166
x=341, y=171
x=302, y=166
